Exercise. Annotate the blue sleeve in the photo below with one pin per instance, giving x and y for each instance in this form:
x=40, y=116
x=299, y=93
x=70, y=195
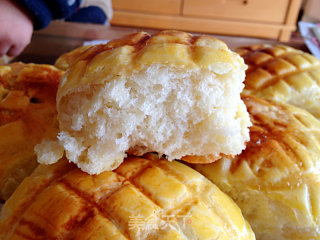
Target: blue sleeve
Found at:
x=91, y=14
x=43, y=11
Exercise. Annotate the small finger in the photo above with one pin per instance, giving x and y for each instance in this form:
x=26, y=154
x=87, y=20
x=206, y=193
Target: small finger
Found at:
x=15, y=50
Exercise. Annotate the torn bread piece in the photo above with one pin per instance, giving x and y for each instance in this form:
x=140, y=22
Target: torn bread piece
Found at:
x=171, y=93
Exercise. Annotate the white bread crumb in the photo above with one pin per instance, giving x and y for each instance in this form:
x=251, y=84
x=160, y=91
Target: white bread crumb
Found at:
x=172, y=109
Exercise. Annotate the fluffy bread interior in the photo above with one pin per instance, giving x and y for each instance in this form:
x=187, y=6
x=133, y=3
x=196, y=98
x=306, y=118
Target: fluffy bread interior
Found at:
x=161, y=108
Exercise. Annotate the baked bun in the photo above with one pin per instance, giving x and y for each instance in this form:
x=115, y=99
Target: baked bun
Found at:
x=276, y=179
x=142, y=199
x=171, y=93
x=27, y=115
x=283, y=74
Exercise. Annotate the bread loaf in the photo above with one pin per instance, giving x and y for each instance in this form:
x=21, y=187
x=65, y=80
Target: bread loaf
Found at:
x=142, y=199
x=171, y=93
x=27, y=115
x=283, y=74
x=276, y=179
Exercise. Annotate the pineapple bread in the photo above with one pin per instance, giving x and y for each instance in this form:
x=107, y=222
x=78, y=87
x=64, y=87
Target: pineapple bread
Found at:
x=142, y=199
x=276, y=180
x=27, y=115
x=171, y=93
x=283, y=74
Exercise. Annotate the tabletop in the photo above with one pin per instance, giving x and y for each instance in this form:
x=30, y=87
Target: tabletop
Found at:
x=60, y=37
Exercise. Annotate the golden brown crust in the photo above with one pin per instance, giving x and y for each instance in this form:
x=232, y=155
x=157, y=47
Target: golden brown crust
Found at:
x=142, y=199
x=66, y=60
x=137, y=41
x=201, y=159
x=283, y=74
x=276, y=179
x=276, y=128
x=27, y=114
x=138, y=49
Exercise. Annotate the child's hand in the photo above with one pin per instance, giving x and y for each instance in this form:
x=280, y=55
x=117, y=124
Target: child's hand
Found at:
x=15, y=28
